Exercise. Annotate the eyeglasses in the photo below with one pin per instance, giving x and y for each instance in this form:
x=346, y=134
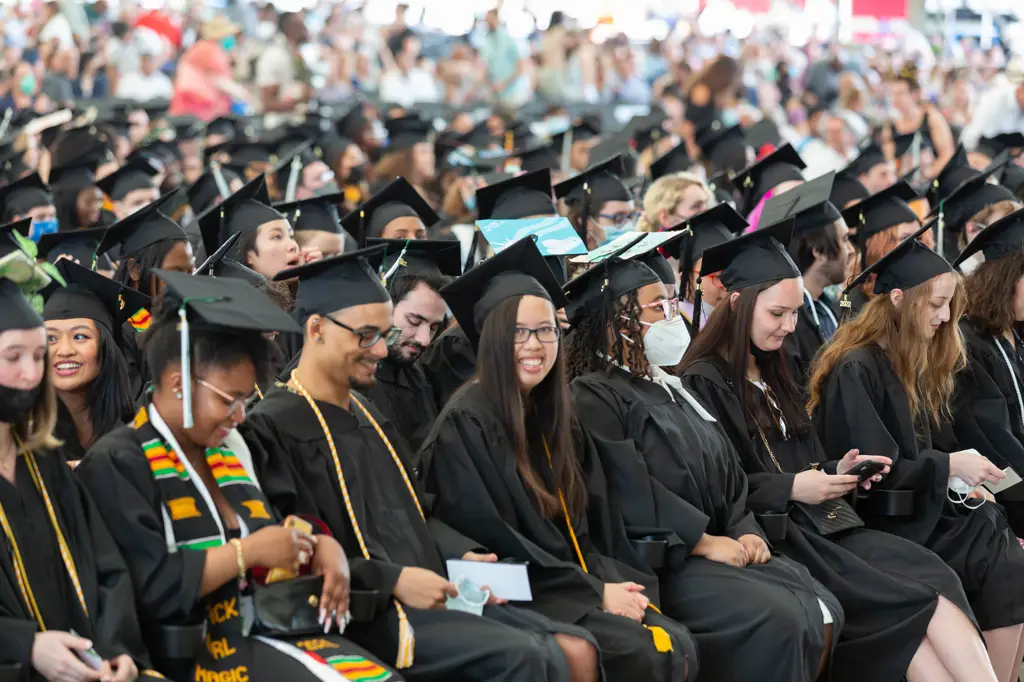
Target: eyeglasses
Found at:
x=670, y=306
x=233, y=403
x=620, y=219
x=369, y=338
x=543, y=334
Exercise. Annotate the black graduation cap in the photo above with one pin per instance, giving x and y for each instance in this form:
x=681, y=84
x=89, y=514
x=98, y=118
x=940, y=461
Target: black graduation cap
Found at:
x=18, y=312
x=219, y=265
x=519, y=270
x=406, y=131
x=206, y=190
x=138, y=173
x=245, y=152
x=78, y=244
x=675, y=160
x=600, y=183
x=147, y=226
x=518, y=197
x=753, y=258
x=398, y=199
x=583, y=130
x=869, y=156
x=881, y=210
x=185, y=127
x=805, y=208
x=21, y=196
x=79, y=173
x=725, y=147
x=846, y=188
x=1002, y=238
x=229, y=126
x=540, y=156
x=423, y=256
x=611, y=278
x=763, y=132
x=782, y=165
x=164, y=153
x=971, y=197
x=8, y=244
x=995, y=145
x=648, y=129
x=91, y=296
x=956, y=170
x=317, y=213
x=1012, y=176
x=712, y=227
x=335, y=283
x=243, y=211
x=909, y=264
x=721, y=187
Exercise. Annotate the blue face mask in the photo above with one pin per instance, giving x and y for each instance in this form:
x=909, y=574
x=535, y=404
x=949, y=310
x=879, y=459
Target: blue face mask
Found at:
x=613, y=232
x=42, y=227
x=229, y=43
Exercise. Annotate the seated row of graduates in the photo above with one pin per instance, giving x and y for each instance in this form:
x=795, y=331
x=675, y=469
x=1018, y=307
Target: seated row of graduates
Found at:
x=519, y=465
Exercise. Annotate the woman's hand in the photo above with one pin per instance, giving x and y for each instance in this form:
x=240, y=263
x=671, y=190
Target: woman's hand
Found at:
x=621, y=599
x=329, y=561
x=853, y=458
x=124, y=669
x=814, y=486
x=973, y=468
x=423, y=589
x=981, y=494
x=722, y=550
x=756, y=548
x=278, y=547
x=310, y=254
x=486, y=559
x=54, y=657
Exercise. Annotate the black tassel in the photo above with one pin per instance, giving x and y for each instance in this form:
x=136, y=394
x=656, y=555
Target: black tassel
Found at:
x=695, y=323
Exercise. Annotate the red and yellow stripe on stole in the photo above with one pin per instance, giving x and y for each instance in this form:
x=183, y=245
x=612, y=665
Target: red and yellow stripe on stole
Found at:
x=140, y=321
x=359, y=669
x=225, y=467
x=162, y=462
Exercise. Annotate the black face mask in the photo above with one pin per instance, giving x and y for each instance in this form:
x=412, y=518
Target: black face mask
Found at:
x=356, y=174
x=16, y=403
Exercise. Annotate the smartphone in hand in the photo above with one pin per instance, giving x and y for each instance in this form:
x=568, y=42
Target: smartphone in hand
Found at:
x=866, y=469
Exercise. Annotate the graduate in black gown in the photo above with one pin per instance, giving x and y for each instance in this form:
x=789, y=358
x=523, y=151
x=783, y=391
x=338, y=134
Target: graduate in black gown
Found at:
x=881, y=386
x=193, y=520
x=61, y=569
x=413, y=272
x=906, y=613
x=775, y=174
x=753, y=616
x=84, y=324
x=335, y=456
x=513, y=476
x=988, y=408
x=395, y=212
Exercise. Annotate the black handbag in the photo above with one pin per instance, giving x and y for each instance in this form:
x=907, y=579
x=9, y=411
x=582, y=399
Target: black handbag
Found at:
x=288, y=608
x=827, y=518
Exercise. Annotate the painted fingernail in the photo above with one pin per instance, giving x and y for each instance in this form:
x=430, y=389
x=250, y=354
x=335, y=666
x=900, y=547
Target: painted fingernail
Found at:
x=342, y=621
x=323, y=615
x=327, y=626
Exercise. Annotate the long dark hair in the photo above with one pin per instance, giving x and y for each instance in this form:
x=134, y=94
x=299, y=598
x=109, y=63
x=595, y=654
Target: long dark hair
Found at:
x=109, y=396
x=147, y=259
x=545, y=415
x=65, y=200
x=588, y=344
x=727, y=337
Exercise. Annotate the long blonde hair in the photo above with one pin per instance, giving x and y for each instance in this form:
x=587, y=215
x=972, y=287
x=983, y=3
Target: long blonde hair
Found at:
x=925, y=367
x=665, y=194
x=36, y=431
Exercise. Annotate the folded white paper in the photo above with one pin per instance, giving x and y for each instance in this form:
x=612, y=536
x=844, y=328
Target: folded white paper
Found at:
x=1012, y=479
x=505, y=581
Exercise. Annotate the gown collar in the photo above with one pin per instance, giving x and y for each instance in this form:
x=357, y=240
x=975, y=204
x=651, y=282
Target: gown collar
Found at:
x=673, y=385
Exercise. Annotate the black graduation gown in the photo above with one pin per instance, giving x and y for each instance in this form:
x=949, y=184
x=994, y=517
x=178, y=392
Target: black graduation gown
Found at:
x=670, y=468
x=405, y=398
x=135, y=359
x=801, y=346
x=105, y=580
x=887, y=586
x=471, y=467
x=864, y=406
x=508, y=645
x=65, y=430
x=448, y=363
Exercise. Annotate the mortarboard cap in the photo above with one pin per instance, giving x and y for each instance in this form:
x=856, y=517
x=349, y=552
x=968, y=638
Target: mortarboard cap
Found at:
x=19, y=197
x=675, y=160
x=244, y=211
x=712, y=227
x=398, y=199
x=523, y=196
x=18, y=311
x=317, y=213
x=335, y=283
x=581, y=131
x=1002, y=238
x=438, y=257
x=764, y=132
x=806, y=207
x=956, y=170
x=869, y=156
x=725, y=147
x=206, y=190
x=882, y=210
x=90, y=295
x=219, y=265
x=78, y=244
x=599, y=183
x=147, y=226
x=519, y=270
x=753, y=258
x=79, y=173
x=406, y=131
x=611, y=278
x=846, y=188
x=137, y=173
x=541, y=156
x=8, y=242
x=245, y=152
x=909, y=264
x=782, y=165
x=971, y=197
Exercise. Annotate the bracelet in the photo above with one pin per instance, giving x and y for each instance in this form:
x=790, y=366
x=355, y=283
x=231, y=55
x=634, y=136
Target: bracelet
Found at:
x=240, y=556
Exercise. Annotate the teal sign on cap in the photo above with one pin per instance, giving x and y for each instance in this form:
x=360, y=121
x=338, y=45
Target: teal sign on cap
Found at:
x=555, y=235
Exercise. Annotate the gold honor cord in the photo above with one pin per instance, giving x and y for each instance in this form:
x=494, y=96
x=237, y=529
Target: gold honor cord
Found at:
x=406, y=637
x=662, y=640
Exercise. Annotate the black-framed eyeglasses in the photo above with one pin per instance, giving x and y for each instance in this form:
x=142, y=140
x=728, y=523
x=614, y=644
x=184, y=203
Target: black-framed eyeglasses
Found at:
x=620, y=219
x=544, y=334
x=369, y=338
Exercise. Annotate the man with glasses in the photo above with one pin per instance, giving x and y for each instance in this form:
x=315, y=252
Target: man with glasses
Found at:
x=338, y=459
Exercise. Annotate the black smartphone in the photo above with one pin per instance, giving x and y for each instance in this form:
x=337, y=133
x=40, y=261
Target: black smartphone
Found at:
x=866, y=470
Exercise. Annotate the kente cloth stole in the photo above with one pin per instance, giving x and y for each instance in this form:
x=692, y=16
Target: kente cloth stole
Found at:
x=140, y=320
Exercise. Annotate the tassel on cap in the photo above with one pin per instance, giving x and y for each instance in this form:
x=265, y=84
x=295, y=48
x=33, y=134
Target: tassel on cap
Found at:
x=186, y=367
x=697, y=295
x=218, y=179
x=293, y=178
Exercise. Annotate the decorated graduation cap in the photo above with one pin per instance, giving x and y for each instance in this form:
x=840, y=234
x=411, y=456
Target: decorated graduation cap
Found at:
x=675, y=160
x=20, y=279
x=398, y=199
x=909, y=264
x=518, y=197
x=89, y=295
x=147, y=226
x=220, y=265
x=782, y=165
x=244, y=211
x=869, y=156
x=316, y=213
x=881, y=210
x=609, y=279
x=80, y=245
x=406, y=131
x=519, y=270
x=1002, y=238
x=436, y=257
x=212, y=185
x=20, y=197
x=335, y=283
x=847, y=189
x=217, y=304
x=138, y=173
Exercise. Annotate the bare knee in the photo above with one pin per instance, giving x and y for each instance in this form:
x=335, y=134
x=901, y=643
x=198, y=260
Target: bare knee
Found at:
x=581, y=656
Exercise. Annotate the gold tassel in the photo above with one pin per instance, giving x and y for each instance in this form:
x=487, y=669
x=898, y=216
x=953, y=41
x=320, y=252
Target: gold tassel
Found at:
x=662, y=642
x=406, y=640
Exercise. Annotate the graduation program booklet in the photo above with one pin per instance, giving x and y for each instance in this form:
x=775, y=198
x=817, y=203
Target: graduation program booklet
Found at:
x=504, y=580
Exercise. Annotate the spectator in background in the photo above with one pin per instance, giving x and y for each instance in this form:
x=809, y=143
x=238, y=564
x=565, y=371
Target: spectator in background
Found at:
x=282, y=76
x=56, y=32
x=122, y=54
x=622, y=83
x=23, y=89
x=1000, y=108
x=460, y=73
x=203, y=85
x=61, y=74
x=552, y=77
x=506, y=63
x=831, y=148
x=821, y=86
x=406, y=80
x=148, y=83
x=92, y=77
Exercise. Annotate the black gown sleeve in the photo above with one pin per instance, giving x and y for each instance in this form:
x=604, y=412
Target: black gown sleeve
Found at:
x=16, y=638
x=645, y=501
x=167, y=584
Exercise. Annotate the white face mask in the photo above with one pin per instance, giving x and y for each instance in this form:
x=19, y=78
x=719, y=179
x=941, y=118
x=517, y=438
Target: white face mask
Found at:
x=666, y=341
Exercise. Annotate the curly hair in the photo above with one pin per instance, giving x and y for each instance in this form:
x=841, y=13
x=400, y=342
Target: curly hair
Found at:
x=665, y=194
x=925, y=367
x=990, y=293
x=587, y=347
